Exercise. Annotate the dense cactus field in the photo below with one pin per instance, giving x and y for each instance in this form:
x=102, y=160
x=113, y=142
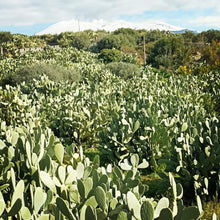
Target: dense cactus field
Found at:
x=83, y=149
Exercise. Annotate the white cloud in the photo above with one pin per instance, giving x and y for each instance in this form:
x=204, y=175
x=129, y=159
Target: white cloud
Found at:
x=193, y=4
x=27, y=12
x=211, y=21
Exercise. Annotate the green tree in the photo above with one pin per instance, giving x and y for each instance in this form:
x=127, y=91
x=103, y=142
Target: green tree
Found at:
x=80, y=40
x=49, y=38
x=129, y=37
x=5, y=36
x=210, y=35
x=110, y=55
x=154, y=35
x=109, y=42
x=65, y=39
x=167, y=52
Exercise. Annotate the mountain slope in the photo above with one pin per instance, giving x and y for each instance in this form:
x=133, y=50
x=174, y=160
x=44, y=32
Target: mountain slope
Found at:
x=75, y=25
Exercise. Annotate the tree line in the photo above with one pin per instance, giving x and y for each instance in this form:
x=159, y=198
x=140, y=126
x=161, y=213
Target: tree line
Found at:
x=164, y=50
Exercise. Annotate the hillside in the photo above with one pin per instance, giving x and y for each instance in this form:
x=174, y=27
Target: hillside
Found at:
x=89, y=132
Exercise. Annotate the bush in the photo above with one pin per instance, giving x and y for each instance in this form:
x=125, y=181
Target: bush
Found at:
x=54, y=72
x=5, y=37
x=110, y=55
x=109, y=42
x=167, y=52
x=118, y=39
x=114, y=55
x=124, y=70
x=80, y=41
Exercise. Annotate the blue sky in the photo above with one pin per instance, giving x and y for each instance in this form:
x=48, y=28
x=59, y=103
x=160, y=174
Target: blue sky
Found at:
x=25, y=29
x=30, y=17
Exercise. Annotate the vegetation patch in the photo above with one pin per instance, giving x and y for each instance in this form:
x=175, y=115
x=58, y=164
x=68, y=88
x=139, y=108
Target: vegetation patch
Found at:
x=124, y=70
x=35, y=71
x=96, y=136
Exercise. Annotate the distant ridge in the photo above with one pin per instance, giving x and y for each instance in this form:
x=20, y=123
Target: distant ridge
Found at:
x=184, y=30
x=75, y=25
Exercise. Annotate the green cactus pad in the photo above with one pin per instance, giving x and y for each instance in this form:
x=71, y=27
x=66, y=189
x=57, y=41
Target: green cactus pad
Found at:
x=90, y=213
x=62, y=206
x=166, y=214
x=133, y=204
x=46, y=179
x=162, y=204
x=59, y=152
x=191, y=212
x=81, y=188
x=91, y=202
x=100, y=197
x=39, y=199
x=15, y=208
x=25, y=213
x=122, y=215
x=18, y=193
x=147, y=211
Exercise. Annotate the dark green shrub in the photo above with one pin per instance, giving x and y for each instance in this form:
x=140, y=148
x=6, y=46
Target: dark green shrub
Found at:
x=34, y=71
x=109, y=42
x=80, y=40
x=124, y=70
x=118, y=39
x=5, y=36
x=110, y=55
x=167, y=53
x=114, y=55
x=210, y=35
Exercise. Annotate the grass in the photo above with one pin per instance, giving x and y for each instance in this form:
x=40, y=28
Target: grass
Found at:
x=210, y=208
x=156, y=185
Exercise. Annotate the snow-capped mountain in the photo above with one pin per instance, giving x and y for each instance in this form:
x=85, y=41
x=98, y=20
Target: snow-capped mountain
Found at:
x=76, y=25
